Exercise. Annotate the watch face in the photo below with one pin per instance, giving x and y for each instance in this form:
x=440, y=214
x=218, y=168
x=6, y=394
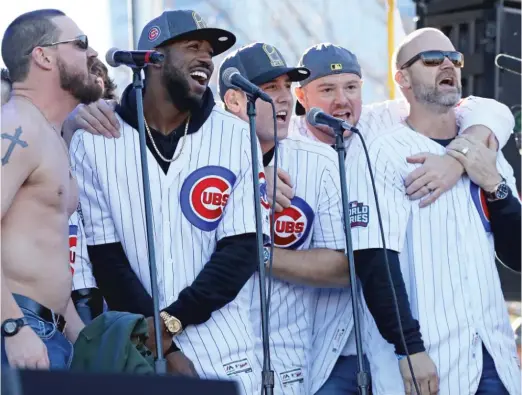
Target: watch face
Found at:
x=173, y=326
x=502, y=191
x=10, y=327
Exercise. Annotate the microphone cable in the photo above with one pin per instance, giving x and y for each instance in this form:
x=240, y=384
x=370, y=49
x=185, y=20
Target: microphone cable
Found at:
x=272, y=212
x=386, y=261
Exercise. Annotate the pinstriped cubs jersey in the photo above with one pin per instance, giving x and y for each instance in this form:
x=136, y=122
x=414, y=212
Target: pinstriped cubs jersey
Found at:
x=332, y=310
x=314, y=220
x=206, y=195
x=448, y=263
x=335, y=306
x=79, y=261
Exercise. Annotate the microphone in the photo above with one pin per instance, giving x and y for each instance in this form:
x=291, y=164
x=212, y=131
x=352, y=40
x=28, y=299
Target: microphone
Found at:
x=317, y=117
x=116, y=57
x=501, y=59
x=232, y=78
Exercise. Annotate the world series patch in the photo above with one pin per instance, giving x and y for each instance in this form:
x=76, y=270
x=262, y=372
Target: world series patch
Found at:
x=359, y=214
x=204, y=195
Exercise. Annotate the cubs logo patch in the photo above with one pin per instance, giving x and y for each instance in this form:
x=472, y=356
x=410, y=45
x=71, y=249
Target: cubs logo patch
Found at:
x=293, y=224
x=479, y=200
x=154, y=33
x=359, y=214
x=262, y=191
x=73, y=242
x=204, y=195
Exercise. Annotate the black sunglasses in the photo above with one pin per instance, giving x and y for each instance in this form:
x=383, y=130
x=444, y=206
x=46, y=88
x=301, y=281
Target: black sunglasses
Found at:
x=436, y=58
x=81, y=42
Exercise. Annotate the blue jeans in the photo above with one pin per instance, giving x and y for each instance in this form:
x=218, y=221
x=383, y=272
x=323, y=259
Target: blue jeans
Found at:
x=343, y=379
x=59, y=349
x=490, y=383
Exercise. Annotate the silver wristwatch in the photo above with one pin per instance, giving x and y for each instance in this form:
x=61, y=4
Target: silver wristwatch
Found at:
x=500, y=192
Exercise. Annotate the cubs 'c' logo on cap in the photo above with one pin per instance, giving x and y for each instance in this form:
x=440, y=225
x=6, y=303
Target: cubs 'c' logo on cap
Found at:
x=262, y=191
x=336, y=66
x=73, y=241
x=479, y=200
x=204, y=195
x=200, y=23
x=154, y=33
x=293, y=224
x=273, y=56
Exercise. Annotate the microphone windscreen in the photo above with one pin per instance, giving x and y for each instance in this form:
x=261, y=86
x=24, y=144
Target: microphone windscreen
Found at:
x=109, y=57
x=227, y=75
x=310, y=116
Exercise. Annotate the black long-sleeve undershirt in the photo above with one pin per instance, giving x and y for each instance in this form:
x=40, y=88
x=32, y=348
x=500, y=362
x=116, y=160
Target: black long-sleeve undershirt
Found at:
x=371, y=270
x=218, y=283
x=505, y=219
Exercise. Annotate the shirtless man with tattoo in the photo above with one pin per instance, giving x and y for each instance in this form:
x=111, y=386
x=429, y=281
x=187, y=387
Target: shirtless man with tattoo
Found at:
x=46, y=54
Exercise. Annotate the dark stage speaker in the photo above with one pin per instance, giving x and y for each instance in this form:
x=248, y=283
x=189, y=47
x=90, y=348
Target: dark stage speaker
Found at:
x=482, y=32
x=27, y=382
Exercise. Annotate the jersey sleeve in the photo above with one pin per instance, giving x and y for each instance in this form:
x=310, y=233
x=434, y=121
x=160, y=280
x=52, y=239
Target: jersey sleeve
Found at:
x=487, y=112
x=239, y=214
x=377, y=117
x=78, y=257
x=97, y=221
x=394, y=204
x=328, y=228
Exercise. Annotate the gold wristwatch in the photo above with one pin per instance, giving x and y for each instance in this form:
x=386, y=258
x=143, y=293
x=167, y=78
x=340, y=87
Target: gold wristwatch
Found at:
x=172, y=324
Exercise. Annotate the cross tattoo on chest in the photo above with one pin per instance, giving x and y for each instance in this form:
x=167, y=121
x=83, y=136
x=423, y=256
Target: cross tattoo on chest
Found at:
x=14, y=141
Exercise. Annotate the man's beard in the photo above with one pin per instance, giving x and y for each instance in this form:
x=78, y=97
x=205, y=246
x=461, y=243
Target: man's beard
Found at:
x=86, y=90
x=178, y=89
x=430, y=94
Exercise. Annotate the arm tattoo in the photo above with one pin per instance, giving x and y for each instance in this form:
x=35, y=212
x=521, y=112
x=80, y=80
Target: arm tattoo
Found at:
x=14, y=141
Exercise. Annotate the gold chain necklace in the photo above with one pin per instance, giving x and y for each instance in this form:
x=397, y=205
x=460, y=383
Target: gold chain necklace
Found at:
x=156, y=148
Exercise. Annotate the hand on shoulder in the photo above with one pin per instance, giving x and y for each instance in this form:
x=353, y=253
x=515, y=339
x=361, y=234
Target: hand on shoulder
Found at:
x=97, y=118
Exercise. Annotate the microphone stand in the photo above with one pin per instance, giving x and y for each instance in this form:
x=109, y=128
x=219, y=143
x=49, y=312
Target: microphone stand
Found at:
x=268, y=374
x=363, y=381
x=160, y=364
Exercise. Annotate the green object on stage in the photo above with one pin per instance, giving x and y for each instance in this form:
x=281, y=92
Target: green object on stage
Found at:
x=114, y=343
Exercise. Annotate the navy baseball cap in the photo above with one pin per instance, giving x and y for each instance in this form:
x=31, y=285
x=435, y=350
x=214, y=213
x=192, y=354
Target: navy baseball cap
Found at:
x=326, y=59
x=259, y=63
x=183, y=25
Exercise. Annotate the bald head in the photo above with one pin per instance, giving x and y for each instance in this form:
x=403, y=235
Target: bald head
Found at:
x=421, y=40
x=434, y=84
